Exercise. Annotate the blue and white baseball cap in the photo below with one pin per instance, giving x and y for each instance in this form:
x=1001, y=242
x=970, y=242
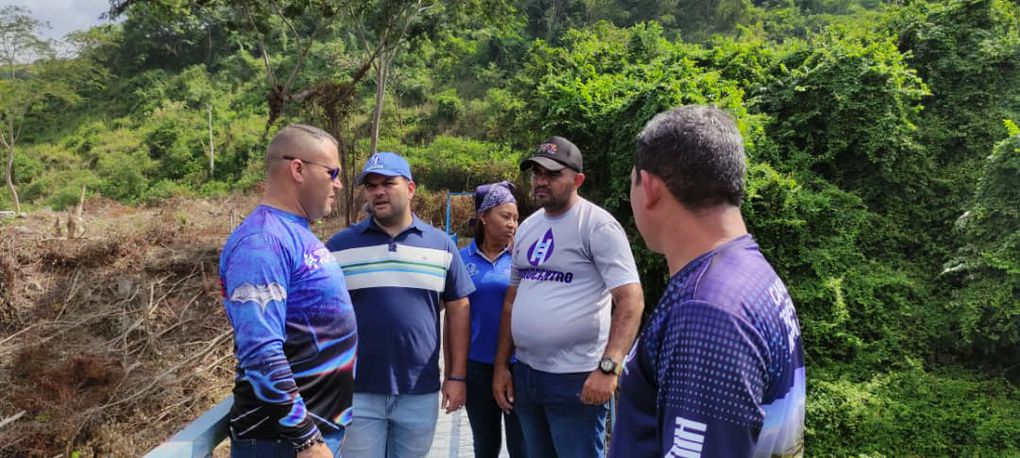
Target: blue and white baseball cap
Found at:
x=386, y=164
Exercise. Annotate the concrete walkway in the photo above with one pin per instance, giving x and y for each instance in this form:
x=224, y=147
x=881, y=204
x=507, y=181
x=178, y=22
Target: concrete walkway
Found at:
x=453, y=437
x=453, y=433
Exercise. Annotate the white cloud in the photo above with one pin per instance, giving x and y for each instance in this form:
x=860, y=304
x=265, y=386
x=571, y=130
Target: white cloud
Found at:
x=64, y=15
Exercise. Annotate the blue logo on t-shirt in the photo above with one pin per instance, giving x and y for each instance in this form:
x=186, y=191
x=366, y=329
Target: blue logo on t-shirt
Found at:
x=541, y=250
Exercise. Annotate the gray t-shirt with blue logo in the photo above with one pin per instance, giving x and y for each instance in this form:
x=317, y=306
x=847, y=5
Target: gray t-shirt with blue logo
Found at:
x=564, y=268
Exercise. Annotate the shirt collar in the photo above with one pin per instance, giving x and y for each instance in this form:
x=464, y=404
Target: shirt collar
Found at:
x=473, y=250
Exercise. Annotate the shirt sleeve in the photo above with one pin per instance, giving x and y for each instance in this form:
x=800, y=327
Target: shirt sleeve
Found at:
x=515, y=275
x=458, y=280
x=610, y=250
x=256, y=279
x=711, y=373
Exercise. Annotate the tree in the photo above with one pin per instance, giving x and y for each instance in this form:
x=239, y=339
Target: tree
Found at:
x=389, y=24
x=281, y=33
x=25, y=87
x=384, y=26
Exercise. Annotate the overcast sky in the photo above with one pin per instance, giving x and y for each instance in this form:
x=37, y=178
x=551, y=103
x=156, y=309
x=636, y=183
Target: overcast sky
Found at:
x=64, y=15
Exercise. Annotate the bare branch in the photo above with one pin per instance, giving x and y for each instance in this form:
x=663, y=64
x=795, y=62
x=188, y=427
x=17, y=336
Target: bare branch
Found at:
x=301, y=60
x=262, y=45
x=11, y=419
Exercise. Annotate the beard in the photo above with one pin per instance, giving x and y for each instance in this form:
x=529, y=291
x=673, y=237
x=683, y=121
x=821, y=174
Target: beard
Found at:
x=390, y=214
x=551, y=202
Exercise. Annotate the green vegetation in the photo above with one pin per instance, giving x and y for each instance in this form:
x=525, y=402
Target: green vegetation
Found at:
x=885, y=154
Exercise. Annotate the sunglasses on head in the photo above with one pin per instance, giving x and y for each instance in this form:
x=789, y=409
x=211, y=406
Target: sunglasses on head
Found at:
x=334, y=172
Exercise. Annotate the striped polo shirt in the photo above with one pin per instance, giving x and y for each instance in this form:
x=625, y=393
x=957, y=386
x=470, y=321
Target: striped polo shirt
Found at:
x=398, y=285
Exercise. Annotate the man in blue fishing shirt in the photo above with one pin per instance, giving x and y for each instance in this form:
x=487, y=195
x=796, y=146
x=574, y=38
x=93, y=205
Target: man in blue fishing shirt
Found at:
x=295, y=334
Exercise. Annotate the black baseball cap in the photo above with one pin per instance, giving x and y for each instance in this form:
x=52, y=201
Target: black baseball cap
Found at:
x=555, y=154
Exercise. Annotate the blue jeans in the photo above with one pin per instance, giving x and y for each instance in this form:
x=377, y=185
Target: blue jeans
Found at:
x=487, y=418
x=554, y=420
x=392, y=426
x=273, y=448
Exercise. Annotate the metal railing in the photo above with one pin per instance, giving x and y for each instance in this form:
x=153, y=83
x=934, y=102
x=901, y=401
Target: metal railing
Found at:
x=200, y=437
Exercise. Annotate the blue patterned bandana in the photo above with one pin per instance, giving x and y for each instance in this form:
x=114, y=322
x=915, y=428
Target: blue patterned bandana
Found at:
x=492, y=195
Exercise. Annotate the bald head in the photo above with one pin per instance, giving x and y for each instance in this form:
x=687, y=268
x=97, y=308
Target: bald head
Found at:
x=296, y=140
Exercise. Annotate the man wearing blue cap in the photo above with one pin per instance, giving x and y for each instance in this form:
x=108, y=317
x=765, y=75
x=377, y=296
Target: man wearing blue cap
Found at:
x=401, y=273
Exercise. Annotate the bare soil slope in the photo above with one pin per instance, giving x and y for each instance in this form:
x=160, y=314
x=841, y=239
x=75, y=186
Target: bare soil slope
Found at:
x=112, y=342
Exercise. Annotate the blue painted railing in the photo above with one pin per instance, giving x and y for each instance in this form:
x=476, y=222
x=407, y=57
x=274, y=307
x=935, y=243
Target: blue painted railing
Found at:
x=449, y=228
x=200, y=437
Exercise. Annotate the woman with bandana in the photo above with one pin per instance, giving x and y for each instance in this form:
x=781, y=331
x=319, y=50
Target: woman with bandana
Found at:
x=488, y=261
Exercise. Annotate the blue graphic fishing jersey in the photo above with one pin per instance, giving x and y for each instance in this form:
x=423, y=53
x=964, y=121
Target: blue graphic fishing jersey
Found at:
x=719, y=369
x=295, y=334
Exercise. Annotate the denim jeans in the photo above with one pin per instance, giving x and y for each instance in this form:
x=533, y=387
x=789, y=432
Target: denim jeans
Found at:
x=554, y=420
x=392, y=426
x=487, y=418
x=273, y=448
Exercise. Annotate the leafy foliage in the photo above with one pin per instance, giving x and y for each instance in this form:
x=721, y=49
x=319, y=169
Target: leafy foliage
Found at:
x=987, y=305
x=868, y=127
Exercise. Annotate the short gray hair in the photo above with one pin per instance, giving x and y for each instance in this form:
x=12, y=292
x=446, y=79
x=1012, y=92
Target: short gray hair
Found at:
x=698, y=152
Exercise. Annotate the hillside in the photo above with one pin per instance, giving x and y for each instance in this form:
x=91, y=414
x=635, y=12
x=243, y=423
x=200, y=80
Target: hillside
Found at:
x=112, y=339
x=883, y=155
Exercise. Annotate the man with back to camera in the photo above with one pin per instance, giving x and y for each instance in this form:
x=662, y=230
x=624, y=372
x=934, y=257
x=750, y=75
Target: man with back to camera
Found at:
x=401, y=273
x=295, y=334
x=718, y=370
x=571, y=260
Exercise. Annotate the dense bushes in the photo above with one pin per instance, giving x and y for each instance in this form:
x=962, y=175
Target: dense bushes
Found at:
x=912, y=412
x=882, y=183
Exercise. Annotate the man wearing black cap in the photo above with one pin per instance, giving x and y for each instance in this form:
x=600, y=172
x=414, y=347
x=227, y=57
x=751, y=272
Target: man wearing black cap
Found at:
x=571, y=262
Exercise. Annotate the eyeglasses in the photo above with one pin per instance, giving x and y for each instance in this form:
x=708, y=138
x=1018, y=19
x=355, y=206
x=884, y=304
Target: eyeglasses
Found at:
x=334, y=172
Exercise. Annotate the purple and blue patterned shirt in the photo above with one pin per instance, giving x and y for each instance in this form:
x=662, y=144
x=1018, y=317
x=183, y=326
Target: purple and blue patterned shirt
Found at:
x=295, y=334
x=719, y=369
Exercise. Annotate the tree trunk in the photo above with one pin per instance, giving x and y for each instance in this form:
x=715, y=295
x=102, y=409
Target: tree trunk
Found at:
x=382, y=71
x=212, y=149
x=334, y=125
x=346, y=204
x=10, y=179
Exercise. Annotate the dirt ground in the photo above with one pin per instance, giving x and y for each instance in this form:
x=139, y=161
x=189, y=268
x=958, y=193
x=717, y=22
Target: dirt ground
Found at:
x=112, y=342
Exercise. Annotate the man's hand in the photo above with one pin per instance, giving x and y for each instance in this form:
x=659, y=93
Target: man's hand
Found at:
x=598, y=388
x=316, y=451
x=454, y=395
x=503, y=387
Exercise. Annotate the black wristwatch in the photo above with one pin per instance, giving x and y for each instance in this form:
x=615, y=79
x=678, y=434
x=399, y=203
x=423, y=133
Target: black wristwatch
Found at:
x=609, y=367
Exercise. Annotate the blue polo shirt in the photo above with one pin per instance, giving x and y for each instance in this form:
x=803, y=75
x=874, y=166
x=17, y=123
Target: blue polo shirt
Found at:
x=491, y=279
x=398, y=285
